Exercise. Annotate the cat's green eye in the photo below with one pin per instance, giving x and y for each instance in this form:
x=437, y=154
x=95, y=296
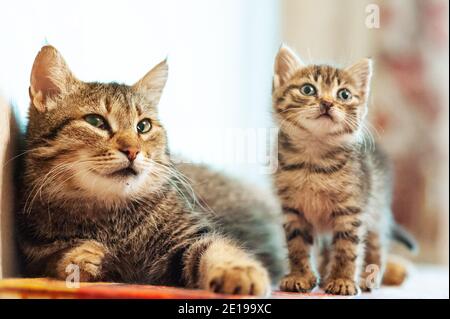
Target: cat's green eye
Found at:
x=144, y=126
x=308, y=90
x=97, y=121
x=344, y=94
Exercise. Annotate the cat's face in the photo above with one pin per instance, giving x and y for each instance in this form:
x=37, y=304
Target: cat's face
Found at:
x=93, y=140
x=320, y=100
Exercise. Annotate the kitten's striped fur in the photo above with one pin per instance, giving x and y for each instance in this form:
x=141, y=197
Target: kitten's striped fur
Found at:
x=334, y=184
x=118, y=219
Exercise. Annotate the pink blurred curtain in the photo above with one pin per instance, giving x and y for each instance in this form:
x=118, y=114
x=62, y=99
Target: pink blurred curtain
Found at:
x=411, y=99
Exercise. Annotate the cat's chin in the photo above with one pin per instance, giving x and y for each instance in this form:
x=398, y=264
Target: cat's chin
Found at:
x=120, y=184
x=325, y=117
x=322, y=125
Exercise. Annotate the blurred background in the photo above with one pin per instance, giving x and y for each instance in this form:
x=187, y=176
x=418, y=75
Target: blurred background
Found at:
x=217, y=104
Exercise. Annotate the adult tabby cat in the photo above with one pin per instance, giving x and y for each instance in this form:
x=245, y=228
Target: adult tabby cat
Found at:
x=334, y=187
x=101, y=192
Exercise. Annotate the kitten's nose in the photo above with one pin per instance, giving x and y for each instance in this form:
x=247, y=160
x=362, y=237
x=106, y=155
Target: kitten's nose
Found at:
x=130, y=152
x=325, y=106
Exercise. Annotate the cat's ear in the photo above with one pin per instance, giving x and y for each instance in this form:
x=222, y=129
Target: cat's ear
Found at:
x=361, y=71
x=50, y=77
x=152, y=84
x=286, y=64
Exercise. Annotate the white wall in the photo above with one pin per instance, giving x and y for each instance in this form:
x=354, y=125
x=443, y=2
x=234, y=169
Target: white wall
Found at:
x=220, y=55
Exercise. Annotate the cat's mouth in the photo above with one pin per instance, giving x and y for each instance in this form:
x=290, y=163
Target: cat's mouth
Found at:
x=326, y=116
x=124, y=172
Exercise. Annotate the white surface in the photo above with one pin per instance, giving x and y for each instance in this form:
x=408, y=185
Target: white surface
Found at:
x=425, y=282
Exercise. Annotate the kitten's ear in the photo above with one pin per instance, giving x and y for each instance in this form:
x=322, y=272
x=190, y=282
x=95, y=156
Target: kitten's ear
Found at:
x=50, y=77
x=361, y=71
x=286, y=64
x=152, y=84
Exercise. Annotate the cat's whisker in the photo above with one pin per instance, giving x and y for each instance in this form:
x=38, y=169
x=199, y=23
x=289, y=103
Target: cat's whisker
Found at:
x=172, y=174
x=286, y=122
x=367, y=137
x=39, y=184
x=74, y=174
x=15, y=157
x=185, y=183
x=49, y=177
x=57, y=190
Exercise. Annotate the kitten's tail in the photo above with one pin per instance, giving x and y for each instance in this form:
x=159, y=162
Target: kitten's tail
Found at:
x=404, y=237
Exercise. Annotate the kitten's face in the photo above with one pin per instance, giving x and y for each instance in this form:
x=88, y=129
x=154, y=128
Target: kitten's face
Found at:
x=92, y=140
x=319, y=99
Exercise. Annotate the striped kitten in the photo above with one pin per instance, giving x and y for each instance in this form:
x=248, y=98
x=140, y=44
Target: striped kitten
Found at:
x=334, y=188
x=101, y=193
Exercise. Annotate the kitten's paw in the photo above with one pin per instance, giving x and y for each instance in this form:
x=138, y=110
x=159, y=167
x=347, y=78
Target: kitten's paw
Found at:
x=363, y=285
x=368, y=284
x=298, y=283
x=239, y=279
x=341, y=286
x=87, y=257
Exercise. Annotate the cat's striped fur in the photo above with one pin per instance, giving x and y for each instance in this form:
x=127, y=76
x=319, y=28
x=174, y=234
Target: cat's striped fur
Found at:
x=334, y=185
x=116, y=218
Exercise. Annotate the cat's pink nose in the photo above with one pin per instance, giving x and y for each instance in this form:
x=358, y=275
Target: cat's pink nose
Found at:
x=131, y=152
x=325, y=106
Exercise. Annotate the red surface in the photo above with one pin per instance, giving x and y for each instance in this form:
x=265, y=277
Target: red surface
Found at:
x=47, y=288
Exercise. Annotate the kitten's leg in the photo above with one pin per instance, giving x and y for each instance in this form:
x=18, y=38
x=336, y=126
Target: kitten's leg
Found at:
x=347, y=253
x=217, y=264
x=374, y=262
x=53, y=259
x=299, y=235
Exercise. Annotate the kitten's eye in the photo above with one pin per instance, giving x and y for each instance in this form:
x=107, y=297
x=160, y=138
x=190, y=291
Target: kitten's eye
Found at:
x=144, y=126
x=97, y=121
x=344, y=94
x=308, y=89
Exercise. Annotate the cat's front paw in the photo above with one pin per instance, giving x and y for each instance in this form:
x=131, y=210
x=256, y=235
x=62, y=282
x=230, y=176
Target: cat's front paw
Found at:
x=239, y=279
x=341, y=286
x=298, y=282
x=86, y=258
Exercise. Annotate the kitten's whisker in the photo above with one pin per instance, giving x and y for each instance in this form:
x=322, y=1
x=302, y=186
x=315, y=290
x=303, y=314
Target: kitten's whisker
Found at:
x=367, y=137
